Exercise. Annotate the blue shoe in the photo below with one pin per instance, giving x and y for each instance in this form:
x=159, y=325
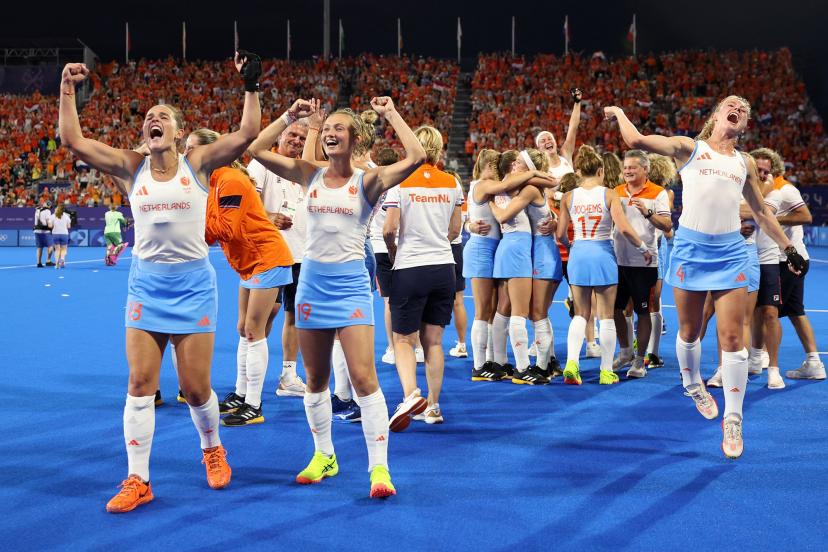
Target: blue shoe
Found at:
x=345, y=411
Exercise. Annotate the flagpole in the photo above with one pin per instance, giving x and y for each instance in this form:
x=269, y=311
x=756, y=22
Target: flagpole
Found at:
x=635, y=37
x=459, y=38
x=399, y=38
x=566, y=35
x=126, y=45
x=340, y=39
x=184, y=40
x=235, y=36
x=513, y=36
x=288, y=39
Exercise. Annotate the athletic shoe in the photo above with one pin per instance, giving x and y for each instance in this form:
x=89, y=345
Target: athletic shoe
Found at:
x=654, y=361
x=320, y=467
x=39, y=265
x=108, y=261
x=245, y=415
x=381, y=486
x=419, y=354
x=570, y=306
x=732, y=443
x=159, y=400
x=388, y=357
x=531, y=376
x=810, y=369
x=765, y=359
x=459, y=350
x=62, y=263
x=180, y=398
x=572, y=374
x=608, y=377
x=509, y=369
x=705, y=403
x=490, y=371
x=754, y=368
x=413, y=404
x=775, y=381
x=533, y=350
x=593, y=350
x=291, y=387
x=716, y=379
x=430, y=415
x=345, y=411
x=50, y=263
x=230, y=403
x=637, y=370
x=621, y=361
x=663, y=327
x=133, y=493
x=553, y=369
x=218, y=470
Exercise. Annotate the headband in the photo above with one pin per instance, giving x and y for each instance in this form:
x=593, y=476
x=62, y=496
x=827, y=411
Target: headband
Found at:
x=538, y=137
x=528, y=160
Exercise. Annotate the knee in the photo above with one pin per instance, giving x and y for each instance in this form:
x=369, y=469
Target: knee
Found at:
x=141, y=384
x=730, y=340
x=196, y=397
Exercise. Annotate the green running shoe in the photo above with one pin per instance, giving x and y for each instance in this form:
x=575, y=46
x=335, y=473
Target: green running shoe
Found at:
x=381, y=486
x=607, y=377
x=321, y=466
x=572, y=374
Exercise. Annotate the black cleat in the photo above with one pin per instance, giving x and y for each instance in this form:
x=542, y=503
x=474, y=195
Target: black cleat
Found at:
x=158, y=399
x=509, y=369
x=231, y=403
x=245, y=415
x=531, y=376
x=490, y=371
x=654, y=361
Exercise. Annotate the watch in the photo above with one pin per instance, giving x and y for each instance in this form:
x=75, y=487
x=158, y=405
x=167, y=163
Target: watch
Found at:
x=650, y=213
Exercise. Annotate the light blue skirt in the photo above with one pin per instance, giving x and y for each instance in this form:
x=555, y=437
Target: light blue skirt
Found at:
x=754, y=273
x=592, y=263
x=277, y=276
x=333, y=295
x=708, y=262
x=513, y=258
x=546, y=259
x=479, y=257
x=663, y=256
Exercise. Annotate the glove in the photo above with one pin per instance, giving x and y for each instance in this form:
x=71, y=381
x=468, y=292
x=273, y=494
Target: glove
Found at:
x=576, y=94
x=251, y=70
x=795, y=260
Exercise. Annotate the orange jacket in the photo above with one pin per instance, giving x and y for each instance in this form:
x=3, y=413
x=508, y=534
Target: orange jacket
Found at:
x=236, y=218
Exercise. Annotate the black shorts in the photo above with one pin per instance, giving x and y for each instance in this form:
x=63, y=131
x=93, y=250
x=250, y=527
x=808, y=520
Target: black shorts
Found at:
x=287, y=296
x=457, y=251
x=565, y=273
x=635, y=282
x=793, y=290
x=421, y=294
x=770, y=286
x=383, y=273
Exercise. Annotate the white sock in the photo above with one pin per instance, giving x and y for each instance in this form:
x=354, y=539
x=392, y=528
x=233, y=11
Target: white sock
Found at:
x=257, y=355
x=543, y=341
x=174, y=359
x=689, y=360
x=520, y=341
x=241, y=367
x=139, y=426
x=288, y=369
x=479, y=336
x=319, y=412
x=813, y=357
x=342, y=382
x=755, y=356
x=489, y=344
x=500, y=334
x=575, y=338
x=734, y=380
x=656, y=320
x=630, y=330
x=607, y=338
x=206, y=420
x=375, y=427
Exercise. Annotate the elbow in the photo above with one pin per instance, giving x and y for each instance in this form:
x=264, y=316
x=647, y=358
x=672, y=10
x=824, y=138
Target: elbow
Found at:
x=418, y=156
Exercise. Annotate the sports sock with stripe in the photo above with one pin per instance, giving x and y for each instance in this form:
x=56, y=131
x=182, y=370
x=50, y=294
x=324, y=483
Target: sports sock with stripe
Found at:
x=734, y=380
x=543, y=341
x=520, y=341
x=607, y=336
x=479, y=337
x=139, y=427
x=206, y=421
x=241, y=367
x=575, y=338
x=257, y=356
x=689, y=361
x=342, y=382
x=500, y=334
x=374, y=414
x=318, y=411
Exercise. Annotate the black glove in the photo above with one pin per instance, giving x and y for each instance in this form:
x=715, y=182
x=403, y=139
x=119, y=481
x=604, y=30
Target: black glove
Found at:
x=795, y=260
x=576, y=94
x=251, y=70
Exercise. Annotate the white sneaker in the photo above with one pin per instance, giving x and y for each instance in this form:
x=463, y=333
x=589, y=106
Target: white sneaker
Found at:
x=810, y=369
x=705, y=403
x=420, y=355
x=388, y=357
x=775, y=381
x=433, y=415
x=593, y=350
x=291, y=387
x=732, y=443
x=621, y=361
x=460, y=351
x=637, y=370
x=412, y=405
x=765, y=359
x=533, y=350
x=716, y=379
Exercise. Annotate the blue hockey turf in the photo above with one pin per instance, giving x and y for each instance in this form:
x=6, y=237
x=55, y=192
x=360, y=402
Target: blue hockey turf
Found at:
x=629, y=466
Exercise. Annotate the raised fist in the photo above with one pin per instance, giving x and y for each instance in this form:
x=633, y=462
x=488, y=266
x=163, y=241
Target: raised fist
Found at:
x=383, y=105
x=249, y=65
x=73, y=73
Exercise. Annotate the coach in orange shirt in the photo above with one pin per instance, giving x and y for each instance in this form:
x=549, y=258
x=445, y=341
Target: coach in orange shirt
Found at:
x=256, y=250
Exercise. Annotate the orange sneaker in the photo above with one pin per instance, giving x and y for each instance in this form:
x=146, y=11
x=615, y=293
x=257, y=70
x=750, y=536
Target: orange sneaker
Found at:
x=133, y=493
x=218, y=470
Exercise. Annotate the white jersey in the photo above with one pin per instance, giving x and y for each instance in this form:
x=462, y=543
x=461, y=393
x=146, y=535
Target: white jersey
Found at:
x=60, y=226
x=482, y=212
x=590, y=214
x=766, y=247
x=376, y=225
x=712, y=189
x=42, y=217
x=536, y=215
x=564, y=168
x=284, y=197
x=170, y=216
x=464, y=215
x=789, y=201
x=518, y=223
x=337, y=219
x=426, y=201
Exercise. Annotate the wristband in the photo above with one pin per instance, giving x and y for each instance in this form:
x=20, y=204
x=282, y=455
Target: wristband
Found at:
x=288, y=118
x=642, y=248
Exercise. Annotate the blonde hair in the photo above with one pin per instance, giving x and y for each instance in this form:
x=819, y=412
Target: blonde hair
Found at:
x=486, y=158
x=613, y=169
x=777, y=166
x=539, y=159
x=208, y=136
x=360, y=132
x=707, y=129
x=662, y=170
x=367, y=134
x=432, y=142
x=587, y=161
x=59, y=210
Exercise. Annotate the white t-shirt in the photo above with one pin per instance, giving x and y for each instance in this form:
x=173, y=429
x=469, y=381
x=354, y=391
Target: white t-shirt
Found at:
x=284, y=197
x=464, y=217
x=426, y=201
x=375, y=227
x=654, y=197
x=60, y=226
x=789, y=201
x=590, y=214
x=767, y=249
x=43, y=216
